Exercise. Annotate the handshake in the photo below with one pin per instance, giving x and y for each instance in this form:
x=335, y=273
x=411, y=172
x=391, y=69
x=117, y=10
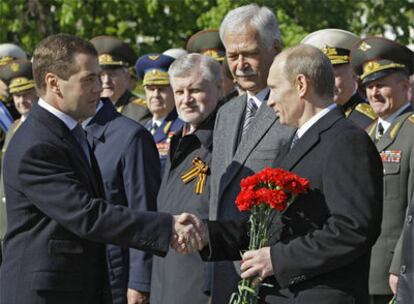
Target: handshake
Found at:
x=189, y=233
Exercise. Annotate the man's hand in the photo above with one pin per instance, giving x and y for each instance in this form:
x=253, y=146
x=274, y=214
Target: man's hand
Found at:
x=137, y=297
x=257, y=263
x=189, y=233
x=393, y=280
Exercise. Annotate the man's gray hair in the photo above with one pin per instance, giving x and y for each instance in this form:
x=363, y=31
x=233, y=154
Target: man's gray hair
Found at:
x=313, y=63
x=208, y=67
x=262, y=19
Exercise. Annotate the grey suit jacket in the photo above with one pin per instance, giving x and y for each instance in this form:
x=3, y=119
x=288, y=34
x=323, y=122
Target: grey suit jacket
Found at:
x=233, y=161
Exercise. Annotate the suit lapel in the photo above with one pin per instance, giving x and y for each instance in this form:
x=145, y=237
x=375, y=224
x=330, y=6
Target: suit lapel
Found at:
x=58, y=127
x=263, y=121
x=310, y=139
x=234, y=125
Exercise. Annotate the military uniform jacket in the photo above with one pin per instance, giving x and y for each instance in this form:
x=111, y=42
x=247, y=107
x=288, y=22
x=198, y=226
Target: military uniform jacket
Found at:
x=58, y=222
x=129, y=164
x=396, y=148
x=405, y=289
x=359, y=111
x=178, y=278
x=3, y=218
x=232, y=161
x=133, y=107
x=162, y=136
x=322, y=242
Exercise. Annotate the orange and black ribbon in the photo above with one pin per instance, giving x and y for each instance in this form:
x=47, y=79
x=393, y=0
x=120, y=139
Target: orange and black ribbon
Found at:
x=199, y=169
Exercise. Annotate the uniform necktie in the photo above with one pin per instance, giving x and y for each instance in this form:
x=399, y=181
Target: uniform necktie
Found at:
x=80, y=136
x=380, y=131
x=153, y=128
x=294, y=141
x=251, y=109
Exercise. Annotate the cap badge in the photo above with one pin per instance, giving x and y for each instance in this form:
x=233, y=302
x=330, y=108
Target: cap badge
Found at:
x=153, y=57
x=105, y=58
x=329, y=51
x=364, y=46
x=15, y=67
x=371, y=67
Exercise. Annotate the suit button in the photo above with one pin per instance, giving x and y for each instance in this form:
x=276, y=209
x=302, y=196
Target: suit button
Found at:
x=403, y=269
x=409, y=218
x=3, y=199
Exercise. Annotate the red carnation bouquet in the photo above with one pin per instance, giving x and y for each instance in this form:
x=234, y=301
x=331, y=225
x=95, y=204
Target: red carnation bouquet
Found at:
x=261, y=194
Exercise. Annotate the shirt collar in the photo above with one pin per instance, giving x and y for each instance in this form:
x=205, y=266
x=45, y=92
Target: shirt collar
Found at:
x=386, y=123
x=69, y=121
x=307, y=125
x=158, y=122
x=260, y=97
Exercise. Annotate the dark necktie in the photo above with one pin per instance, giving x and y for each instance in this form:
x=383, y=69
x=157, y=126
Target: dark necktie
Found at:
x=294, y=141
x=251, y=109
x=153, y=128
x=80, y=136
x=380, y=131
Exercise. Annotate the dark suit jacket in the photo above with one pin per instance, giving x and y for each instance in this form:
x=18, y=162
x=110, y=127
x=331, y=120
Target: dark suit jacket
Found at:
x=54, y=250
x=130, y=167
x=322, y=249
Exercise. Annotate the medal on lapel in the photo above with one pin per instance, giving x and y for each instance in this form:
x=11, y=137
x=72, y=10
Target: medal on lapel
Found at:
x=199, y=170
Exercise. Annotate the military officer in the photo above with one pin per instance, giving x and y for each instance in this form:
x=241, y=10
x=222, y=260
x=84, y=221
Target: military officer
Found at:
x=115, y=57
x=8, y=52
x=153, y=70
x=208, y=42
x=384, y=67
x=18, y=76
x=336, y=44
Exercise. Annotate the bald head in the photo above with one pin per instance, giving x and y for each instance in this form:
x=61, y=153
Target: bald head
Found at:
x=301, y=81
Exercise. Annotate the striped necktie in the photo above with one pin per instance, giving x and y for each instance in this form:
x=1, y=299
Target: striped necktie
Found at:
x=251, y=110
x=294, y=141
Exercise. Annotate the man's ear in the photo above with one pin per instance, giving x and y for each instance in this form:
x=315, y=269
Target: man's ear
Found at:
x=302, y=85
x=52, y=83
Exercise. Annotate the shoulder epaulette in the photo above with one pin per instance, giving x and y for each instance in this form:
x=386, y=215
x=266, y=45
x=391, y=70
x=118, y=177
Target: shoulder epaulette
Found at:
x=366, y=109
x=140, y=102
x=411, y=118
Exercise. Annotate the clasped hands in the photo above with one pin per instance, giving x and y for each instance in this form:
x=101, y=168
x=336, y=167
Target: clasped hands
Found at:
x=190, y=234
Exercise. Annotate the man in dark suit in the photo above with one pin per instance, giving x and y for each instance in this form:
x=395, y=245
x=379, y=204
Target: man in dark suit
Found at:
x=58, y=222
x=248, y=136
x=129, y=164
x=322, y=249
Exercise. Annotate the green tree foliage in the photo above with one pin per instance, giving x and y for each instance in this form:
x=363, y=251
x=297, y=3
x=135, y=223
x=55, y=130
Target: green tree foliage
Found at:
x=156, y=25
